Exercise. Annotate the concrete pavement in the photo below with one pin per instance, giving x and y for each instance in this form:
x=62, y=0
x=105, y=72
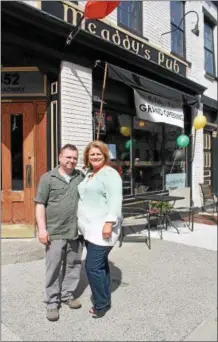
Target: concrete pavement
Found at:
x=21, y=250
x=164, y=294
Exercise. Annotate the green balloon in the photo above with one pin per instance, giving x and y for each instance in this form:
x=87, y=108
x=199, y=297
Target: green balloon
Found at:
x=182, y=140
x=128, y=144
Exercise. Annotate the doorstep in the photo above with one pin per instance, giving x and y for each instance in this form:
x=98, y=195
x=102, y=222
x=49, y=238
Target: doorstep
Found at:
x=17, y=231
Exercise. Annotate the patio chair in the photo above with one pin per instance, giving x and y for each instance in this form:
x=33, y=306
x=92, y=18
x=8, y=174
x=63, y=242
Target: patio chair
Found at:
x=209, y=200
x=182, y=211
x=135, y=216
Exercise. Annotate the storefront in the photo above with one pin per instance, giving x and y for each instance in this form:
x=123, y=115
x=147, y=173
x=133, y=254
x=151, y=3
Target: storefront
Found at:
x=149, y=102
x=141, y=122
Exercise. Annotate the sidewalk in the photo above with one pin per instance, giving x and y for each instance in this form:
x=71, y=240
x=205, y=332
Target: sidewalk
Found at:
x=21, y=250
x=164, y=294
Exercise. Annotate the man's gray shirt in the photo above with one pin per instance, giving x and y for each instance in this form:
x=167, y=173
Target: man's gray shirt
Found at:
x=61, y=201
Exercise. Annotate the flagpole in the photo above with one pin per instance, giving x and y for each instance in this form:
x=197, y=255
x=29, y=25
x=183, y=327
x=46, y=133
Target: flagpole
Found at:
x=74, y=32
x=102, y=100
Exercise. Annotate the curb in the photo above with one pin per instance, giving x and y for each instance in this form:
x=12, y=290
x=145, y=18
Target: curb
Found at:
x=206, y=331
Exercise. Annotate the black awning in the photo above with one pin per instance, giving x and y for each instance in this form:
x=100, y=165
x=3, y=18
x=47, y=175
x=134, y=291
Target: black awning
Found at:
x=211, y=103
x=143, y=83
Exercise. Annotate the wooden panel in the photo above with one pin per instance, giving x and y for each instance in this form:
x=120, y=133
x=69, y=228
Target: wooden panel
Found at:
x=6, y=147
x=18, y=212
x=29, y=159
x=6, y=160
x=12, y=196
x=41, y=137
x=6, y=212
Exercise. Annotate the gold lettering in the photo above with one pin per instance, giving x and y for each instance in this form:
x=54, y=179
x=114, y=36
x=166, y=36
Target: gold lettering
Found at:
x=169, y=64
x=105, y=34
x=160, y=57
x=147, y=54
x=126, y=43
x=116, y=38
x=76, y=15
x=135, y=46
x=176, y=66
x=92, y=28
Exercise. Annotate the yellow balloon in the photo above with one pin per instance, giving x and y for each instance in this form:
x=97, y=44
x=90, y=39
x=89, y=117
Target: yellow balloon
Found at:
x=200, y=121
x=125, y=131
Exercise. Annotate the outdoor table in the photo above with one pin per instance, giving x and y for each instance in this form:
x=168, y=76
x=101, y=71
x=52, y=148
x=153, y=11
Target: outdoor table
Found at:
x=160, y=198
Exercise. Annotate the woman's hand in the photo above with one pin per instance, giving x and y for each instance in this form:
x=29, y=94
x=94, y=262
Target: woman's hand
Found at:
x=107, y=230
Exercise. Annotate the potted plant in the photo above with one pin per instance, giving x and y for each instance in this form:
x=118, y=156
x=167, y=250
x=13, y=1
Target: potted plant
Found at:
x=157, y=207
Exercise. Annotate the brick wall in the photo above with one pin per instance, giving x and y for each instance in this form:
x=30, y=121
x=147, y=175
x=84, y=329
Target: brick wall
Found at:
x=76, y=106
x=156, y=20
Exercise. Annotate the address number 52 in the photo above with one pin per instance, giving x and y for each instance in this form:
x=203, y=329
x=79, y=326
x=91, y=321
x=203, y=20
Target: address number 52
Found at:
x=10, y=79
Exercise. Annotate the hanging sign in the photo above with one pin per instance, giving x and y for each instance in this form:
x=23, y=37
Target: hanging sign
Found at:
x=158, y=109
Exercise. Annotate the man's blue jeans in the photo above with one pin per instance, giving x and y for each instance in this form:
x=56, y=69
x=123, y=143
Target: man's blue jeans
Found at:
x=98, y=273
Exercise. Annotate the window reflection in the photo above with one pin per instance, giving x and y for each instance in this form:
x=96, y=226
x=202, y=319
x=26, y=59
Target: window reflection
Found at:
x=17, y=151
x=152, y=157
x=147, y=159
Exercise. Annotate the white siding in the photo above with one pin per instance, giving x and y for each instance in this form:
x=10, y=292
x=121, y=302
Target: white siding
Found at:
x=197, y=166
x=76, y=106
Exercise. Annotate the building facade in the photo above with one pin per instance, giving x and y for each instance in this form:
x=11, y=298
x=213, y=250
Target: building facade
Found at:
x=157, y=81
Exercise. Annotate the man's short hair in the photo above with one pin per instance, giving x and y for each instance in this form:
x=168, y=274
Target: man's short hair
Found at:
x=69, y=147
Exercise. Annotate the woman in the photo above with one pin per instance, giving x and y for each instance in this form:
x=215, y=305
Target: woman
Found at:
x=99, y=220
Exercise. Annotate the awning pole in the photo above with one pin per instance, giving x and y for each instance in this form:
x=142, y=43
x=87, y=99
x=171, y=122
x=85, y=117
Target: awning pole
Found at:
x=102, y=101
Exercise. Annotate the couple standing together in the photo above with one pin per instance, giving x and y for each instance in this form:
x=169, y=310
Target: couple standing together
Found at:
x=71, y=208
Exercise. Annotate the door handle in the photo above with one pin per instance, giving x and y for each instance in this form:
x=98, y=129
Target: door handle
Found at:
x=28, y=176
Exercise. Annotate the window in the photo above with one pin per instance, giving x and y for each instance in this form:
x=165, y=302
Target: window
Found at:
x=208, y=49
x=130, y=16
x=17, y=151
x=177, y=10
x=152, y=163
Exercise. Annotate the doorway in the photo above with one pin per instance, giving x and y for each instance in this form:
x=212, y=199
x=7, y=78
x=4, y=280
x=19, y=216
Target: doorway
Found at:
x=23, y=162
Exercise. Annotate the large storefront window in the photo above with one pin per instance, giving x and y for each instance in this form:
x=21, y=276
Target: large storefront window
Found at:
x=143, y=152
x=155, y=163
x=148, y=166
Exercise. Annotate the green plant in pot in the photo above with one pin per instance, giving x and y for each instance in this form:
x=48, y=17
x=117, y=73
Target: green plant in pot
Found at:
x=157, y=207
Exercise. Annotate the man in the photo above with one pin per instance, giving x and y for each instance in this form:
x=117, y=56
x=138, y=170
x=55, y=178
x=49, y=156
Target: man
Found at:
x=56, y=217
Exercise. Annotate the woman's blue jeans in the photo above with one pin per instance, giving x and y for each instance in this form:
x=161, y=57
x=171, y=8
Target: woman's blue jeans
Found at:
x=98, y=273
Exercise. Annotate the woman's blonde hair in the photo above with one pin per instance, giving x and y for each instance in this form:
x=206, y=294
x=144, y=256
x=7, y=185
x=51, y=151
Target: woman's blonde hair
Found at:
x=102, y=147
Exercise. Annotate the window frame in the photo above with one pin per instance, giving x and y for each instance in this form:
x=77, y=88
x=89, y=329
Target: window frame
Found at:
x=130, y=29
x=208, y=22
x=173, y=26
